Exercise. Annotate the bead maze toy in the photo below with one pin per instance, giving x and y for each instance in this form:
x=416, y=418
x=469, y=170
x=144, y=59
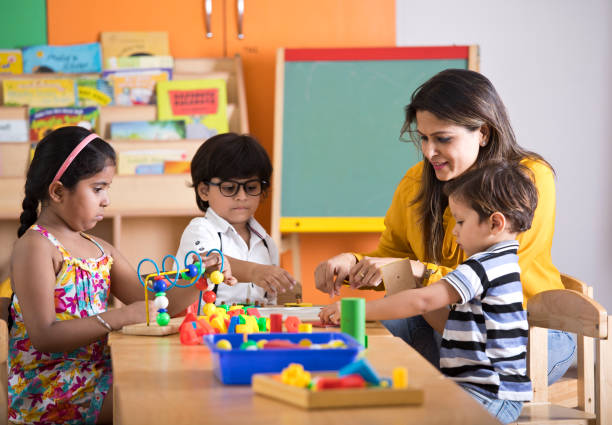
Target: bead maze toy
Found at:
x=355, y=385
x=161, y=282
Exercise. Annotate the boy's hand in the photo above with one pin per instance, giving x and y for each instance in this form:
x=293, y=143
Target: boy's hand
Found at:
x=330, y=313
x=272, y=278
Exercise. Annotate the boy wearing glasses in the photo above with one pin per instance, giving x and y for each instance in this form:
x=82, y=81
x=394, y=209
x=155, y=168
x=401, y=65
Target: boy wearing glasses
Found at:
x=230, y=174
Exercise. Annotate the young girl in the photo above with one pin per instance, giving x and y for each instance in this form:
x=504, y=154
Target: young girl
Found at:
x=484, y=336
x=230, y=174
x=59, y=363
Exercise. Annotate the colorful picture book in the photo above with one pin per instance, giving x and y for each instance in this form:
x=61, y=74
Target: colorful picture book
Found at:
x=13, y=131
x=45, y=120
x=76, y=58
x=94, y=92
x=122, y=44
x=136, y=87
x=39, y=92
x=140, y=62
x=201, y=103
x=11, y=62
x=147, y=161
x=148, y=130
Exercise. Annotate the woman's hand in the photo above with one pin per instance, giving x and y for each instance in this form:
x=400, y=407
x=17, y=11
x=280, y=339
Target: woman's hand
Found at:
x=330, y=313
x=272, y=278
x=368, y=272
x=330, y=274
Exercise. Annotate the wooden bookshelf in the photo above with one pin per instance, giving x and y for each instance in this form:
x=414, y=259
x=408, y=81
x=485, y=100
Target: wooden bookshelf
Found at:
x=148, y=213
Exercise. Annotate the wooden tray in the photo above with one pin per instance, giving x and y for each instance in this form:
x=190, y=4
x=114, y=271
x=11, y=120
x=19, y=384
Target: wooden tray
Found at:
x=270, y=385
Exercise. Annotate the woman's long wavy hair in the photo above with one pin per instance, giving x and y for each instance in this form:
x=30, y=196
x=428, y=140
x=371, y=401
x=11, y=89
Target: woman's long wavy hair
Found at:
x=468, y=99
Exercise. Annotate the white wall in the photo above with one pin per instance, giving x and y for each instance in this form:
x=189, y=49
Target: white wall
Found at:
x=551, y=61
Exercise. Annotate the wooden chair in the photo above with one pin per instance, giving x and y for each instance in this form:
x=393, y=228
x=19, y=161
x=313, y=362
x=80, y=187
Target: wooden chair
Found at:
x=571, y=310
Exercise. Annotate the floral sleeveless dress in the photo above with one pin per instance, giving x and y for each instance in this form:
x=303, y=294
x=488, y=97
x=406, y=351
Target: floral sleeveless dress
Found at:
x=66, y=388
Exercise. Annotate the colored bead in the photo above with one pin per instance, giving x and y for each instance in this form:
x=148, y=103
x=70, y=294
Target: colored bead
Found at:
x=209, y=309
x=159, y=286
x=305, y=342
x=192, y=270
x=248, y=345
x=162, y=310
x=209, y=297
x=161, y=302
x=224, y=344
x=261, y=343
x=202, y=283
x=163, y=319
x=216, y=277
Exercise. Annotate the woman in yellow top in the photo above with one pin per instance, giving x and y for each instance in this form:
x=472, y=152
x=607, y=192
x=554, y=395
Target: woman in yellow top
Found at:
x=458, y=121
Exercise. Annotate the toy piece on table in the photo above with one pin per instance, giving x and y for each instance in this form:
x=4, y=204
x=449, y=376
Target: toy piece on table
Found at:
x=352, y=320
x=299, y=387
x=298, y=302
x=161, y=282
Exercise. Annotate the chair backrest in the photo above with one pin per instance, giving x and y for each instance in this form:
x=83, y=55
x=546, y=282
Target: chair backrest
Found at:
x=572, y=310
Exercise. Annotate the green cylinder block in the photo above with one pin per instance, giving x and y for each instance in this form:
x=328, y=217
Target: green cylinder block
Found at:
x=352, y=321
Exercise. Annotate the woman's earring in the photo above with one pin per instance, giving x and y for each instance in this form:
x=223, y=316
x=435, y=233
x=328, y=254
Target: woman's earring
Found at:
x=483, y=143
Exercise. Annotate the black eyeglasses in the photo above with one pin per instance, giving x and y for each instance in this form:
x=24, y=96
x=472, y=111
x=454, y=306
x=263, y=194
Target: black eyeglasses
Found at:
x=229, y=188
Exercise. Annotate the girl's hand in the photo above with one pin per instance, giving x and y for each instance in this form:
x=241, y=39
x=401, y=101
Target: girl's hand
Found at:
x=368, y=272
x=330, y=274
x=136, y=312
x=272, y=278
x=330, y=313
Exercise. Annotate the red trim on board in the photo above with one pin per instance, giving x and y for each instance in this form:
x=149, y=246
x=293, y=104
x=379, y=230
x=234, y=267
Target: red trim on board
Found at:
x=377, y=53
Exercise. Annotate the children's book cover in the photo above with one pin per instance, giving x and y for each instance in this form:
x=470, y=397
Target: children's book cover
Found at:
x=39, y=92
x=140, y=62
x=136, y=86
x=148, y=130
x=45, y=120
x=149, y=161
x=11, y=61
x=13, y=131
x=119, y=44
x=75, y=58
x=94, y=92
x=201, y=103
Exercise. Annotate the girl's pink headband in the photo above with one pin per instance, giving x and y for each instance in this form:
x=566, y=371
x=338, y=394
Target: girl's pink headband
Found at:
x=73, y=155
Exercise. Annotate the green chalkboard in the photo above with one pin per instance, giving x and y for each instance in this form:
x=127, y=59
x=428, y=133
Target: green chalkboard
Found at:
x=23, y=23
x=341, y=119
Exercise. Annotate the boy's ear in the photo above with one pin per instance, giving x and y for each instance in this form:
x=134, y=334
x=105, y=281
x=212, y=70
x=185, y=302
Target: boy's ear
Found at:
x=56, y=191
x=203, y=189
x=497, y=222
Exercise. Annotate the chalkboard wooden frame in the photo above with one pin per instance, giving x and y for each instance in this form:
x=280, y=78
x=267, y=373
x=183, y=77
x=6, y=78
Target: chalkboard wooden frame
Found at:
x=302, y=66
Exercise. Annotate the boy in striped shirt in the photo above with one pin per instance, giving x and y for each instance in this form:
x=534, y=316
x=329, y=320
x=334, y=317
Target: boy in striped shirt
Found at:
x=484, y=334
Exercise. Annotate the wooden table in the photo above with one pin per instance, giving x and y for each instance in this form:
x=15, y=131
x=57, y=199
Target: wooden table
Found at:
x=159, y=381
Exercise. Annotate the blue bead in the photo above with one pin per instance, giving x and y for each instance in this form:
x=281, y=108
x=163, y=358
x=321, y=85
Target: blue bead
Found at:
x=192, y=270
x=162, y=310
x=159, y=286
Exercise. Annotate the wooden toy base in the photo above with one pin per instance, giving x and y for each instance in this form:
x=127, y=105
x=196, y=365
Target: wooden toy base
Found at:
x=153, y=329
x=270, y=385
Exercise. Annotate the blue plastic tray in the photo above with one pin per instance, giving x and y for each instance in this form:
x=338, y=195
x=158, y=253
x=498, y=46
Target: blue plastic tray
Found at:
x=238, y=366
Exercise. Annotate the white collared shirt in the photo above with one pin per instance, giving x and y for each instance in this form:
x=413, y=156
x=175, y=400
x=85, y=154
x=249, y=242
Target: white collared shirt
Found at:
x=211, y=231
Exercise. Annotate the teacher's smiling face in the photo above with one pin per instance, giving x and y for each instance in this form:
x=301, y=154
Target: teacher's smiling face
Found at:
x=451, y=149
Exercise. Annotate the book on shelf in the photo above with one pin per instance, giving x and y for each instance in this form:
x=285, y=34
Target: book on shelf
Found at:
x=126, y=44
x=139, y=62
x=148, y=130
x=75, y=58
x=44, y=92
x=45, y=120
x=177, y=167
x=13, y=130
x=148, y=161
x=11, y=61
x=201, y=103
x=94, y=91
x=135, y=86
